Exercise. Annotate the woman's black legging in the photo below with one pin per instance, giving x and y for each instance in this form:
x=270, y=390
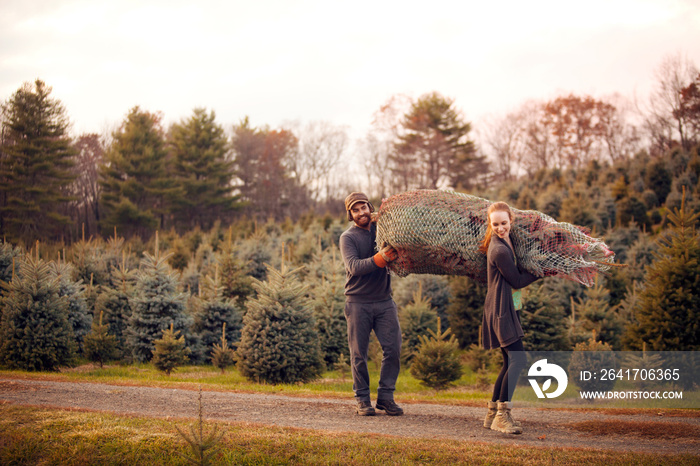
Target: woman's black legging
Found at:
x=514, y=362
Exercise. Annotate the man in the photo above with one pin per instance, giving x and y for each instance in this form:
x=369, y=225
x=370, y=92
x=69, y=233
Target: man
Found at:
x=369, y=306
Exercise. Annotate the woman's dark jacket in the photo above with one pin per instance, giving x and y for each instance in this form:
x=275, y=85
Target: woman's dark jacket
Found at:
x=501, y=324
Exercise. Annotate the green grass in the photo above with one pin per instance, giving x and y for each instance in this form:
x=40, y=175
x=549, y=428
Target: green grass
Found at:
x=35, y=436
x=332, y=385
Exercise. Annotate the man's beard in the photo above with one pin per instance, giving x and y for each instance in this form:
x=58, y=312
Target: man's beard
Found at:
x=363, y=220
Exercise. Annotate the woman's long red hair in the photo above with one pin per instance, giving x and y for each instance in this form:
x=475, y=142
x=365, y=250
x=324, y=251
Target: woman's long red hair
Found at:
x=495, y=207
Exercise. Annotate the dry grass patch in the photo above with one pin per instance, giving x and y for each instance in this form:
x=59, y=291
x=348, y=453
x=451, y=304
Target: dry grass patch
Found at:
x=645, y=429
x=31, y=435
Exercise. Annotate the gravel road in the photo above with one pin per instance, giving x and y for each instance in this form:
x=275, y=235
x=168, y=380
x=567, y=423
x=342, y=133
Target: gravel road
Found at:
x=542, y=427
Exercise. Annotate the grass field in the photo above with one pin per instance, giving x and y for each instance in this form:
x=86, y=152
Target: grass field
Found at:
x=36, y=435
x=332, y=385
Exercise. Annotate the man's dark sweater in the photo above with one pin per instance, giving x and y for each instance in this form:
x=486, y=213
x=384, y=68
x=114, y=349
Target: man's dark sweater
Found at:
x=366, y=281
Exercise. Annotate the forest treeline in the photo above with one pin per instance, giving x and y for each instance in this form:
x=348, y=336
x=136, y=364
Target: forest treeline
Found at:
x=143, y=176
x=266, y=277
x=195, y=227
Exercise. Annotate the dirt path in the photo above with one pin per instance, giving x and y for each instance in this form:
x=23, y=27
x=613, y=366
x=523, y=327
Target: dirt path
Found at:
x=542, y=427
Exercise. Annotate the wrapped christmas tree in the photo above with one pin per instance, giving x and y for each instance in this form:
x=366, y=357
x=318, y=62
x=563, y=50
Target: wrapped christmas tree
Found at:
x=439, y=232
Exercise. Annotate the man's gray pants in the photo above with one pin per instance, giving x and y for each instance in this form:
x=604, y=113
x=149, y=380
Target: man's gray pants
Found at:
x=382, y=317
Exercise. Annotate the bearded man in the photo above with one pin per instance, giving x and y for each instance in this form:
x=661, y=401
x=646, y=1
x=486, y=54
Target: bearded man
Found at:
x=369, y=307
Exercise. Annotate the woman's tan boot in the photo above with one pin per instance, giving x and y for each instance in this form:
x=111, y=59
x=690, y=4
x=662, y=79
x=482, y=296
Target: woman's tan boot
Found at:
x=503, y=422
x=491, y=414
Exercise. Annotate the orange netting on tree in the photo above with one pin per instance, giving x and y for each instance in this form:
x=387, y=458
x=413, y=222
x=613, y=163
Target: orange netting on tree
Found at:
x=439, y=232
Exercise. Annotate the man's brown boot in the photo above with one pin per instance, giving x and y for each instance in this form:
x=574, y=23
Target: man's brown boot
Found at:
x=364, y=408
x=503, y=422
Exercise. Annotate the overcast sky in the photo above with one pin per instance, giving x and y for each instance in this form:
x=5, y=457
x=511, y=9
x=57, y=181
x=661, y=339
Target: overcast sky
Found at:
x=334, y=61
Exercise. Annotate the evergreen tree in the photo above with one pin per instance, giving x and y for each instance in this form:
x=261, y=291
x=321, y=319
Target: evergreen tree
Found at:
x=134, y=177
x=114, y=302
x=203, y=446
x=658, y=178
x=35, y=166
x=35, y=333
x=99, y=345
x=327, y=295
x=668, y=316
x=331, y=325
x=436, y=363
x=90, y=261
x=435, y=287
x=79, y=315
x=213, y=311
x=592, y=355
x=593, y=312
x=466, y=309
x=170, y=351
x=544, y=321
x=180, y=256
x=279, y=343
x=202, y=170
x=416, y=318
x=434, y=147
x=238, y=285
x=9, y=263
x=632, y=209
x=256, y=252
x=223, y=356
x=576, y=208
x=156, y=303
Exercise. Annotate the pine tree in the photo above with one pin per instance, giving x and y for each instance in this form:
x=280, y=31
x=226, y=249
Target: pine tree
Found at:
x=79, y=315
x=593, y=312
x=327, y=295
x=202, y=170
x=279, y=343
x=203, y=447
x=213, y=311
x=99, y=345
x=436, y=363
x=9, y=263
x=416, y=319
x=35, y=167
x=238, y=285
x=544, y=321
x=434, y=147
x=593, y=356
x=170, y=351
x=223, y=356
x=155, y=304
x=668, y=316
x=342, y=366
x=466, y=309
x=134, y=177
x=257, y=254
x=35, y=333
x=480, y=359
x=114, y=301
x=436, y=288
x=91, y=262
x=331, y=326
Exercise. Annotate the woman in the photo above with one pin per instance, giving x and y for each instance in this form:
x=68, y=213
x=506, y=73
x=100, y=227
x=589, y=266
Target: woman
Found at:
x=501, y=323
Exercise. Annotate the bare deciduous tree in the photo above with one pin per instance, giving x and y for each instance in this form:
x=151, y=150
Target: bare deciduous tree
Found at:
x=86, y=188
x=665, y=121
x=318, y=156
x=378, y=147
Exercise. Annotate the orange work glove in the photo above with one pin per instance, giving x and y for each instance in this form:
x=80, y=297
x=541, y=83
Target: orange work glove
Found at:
x=385, y=255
